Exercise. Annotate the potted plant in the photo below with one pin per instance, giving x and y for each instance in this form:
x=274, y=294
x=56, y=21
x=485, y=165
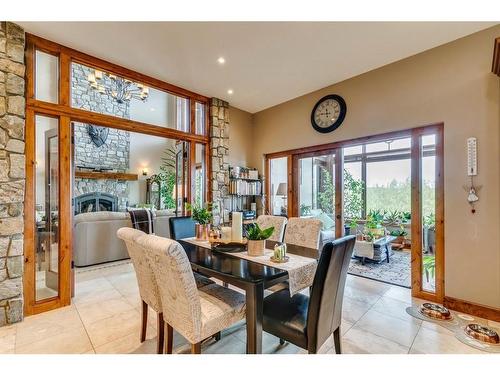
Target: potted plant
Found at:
x=373, y=223
x=352, y=227
x=257, y=239
x=393, y=217
x=405, y=216
x=202, y=216
x=429, y=264
x=400, y=235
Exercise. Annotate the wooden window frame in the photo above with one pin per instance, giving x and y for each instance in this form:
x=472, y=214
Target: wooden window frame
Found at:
x=66, y=115
x=414, y=133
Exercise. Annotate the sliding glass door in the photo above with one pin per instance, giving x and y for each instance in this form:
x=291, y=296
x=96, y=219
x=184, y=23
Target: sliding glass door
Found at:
x=428, y=213
x=393, y=181
x=316, y=188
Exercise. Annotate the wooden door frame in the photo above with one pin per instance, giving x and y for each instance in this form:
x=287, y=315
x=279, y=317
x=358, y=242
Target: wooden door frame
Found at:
x=66, y=114
x=416, y=214
x=336, y=147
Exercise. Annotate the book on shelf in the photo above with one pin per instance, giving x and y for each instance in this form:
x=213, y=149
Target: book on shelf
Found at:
x=243, y=187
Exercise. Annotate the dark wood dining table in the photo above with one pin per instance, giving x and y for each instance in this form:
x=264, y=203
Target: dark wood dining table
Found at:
x=250, y=276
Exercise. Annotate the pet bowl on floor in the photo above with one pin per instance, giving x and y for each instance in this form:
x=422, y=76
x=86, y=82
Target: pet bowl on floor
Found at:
x=482, y=333
x=434, y=311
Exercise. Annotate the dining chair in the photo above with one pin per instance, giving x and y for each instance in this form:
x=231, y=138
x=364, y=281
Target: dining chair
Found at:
x=148, y=289
x=278, y=222
x=303, y=232
x=196, y=314
x=308, y=321
x=181, y=227
x=184, y=227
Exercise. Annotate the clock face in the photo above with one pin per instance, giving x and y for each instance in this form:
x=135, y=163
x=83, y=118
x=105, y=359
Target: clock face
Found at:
x=328, y=113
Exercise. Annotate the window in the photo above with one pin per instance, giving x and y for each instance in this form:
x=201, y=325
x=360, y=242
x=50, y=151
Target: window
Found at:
x=354, y=187
x=388, y=186
x=46, y=207
x=278, y=204
x=199, y=176
x=46, y=77
x=317, y=186
x=200, y=118
x=106, y=93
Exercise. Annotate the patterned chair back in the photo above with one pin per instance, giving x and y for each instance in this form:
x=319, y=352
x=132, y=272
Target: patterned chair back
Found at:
x=148, y=289
x=303, y=232
x=278, y=222
x=179, y=296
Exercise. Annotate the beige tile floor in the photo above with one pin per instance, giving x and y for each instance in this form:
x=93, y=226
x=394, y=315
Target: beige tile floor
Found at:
x=105, y=318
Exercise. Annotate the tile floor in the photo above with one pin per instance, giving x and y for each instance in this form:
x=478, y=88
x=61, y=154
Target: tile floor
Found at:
x=105, y=318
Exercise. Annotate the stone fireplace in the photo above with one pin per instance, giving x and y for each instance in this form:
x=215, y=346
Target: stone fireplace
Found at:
x=112, y=155
x=93, y=202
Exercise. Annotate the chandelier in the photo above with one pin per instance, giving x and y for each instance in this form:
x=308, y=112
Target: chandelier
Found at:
x=121, y=89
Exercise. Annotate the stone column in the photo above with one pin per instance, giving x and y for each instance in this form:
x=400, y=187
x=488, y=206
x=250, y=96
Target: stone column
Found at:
x=12, y=171
x=219, y=142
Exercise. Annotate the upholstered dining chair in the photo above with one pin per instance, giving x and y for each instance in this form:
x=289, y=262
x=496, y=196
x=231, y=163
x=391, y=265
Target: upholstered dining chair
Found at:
x=303, y=232
x=309, y=321
x=148, y=289
x=195, y=313
x=278, y=222
x=181, y=227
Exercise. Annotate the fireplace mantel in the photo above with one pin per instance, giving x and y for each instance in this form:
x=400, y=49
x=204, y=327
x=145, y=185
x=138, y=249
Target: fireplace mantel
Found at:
x=106, y=175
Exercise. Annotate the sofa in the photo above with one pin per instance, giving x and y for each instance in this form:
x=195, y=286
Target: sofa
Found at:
x=327, y=233
x=95, y=239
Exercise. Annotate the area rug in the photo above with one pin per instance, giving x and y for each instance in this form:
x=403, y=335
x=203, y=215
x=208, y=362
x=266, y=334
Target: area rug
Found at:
x=397, y=272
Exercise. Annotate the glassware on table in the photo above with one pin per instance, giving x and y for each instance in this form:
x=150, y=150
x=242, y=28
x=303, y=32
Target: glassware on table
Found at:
x=279, y=252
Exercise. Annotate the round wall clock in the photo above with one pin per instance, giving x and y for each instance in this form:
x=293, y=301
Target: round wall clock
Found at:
x=328, y=113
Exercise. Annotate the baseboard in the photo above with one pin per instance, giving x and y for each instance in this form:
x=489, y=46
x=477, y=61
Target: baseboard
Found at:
x=481, y=311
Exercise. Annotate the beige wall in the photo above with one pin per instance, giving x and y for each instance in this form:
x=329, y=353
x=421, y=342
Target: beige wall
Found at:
x=240, y=135
x=452, y=83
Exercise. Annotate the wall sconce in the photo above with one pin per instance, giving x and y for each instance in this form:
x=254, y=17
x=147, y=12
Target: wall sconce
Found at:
x=144, y=171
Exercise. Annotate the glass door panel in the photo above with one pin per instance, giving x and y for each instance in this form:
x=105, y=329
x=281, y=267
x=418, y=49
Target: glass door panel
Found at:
x=46, y=208
x=278, y=184
x=316, y=188
x=199, y=176
x=181, y=176
x=428, y=210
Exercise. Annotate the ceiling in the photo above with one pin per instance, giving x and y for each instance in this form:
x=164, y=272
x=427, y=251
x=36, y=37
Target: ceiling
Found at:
x=267, y=63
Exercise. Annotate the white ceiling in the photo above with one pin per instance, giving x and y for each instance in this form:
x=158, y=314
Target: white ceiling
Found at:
x=266, y=63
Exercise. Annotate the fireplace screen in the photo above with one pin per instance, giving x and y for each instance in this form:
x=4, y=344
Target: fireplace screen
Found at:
x=93, y=202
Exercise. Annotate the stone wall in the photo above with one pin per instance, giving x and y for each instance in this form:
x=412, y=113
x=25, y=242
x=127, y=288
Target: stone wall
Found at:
x=219, y=139
x=114, y=154
x=12, y=171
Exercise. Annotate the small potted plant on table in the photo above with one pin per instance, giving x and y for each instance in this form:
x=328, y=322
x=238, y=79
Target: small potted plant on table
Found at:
x=257, y=239
x=373, y=224
x=400, y=235
x=202, y=216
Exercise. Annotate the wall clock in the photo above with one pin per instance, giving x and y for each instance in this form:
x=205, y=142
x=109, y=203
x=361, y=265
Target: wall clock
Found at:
x=328, y=113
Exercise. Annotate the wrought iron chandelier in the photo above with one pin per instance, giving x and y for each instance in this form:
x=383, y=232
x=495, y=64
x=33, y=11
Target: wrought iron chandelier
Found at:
x=121, y=89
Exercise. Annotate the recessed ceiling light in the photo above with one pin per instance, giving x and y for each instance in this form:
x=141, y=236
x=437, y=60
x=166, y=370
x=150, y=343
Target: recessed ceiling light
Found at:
x=221, y=60
x=152, y=109
x=230, y=92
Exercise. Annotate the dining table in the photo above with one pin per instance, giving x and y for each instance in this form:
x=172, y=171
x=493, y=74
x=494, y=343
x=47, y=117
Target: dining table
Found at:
x=251, y=276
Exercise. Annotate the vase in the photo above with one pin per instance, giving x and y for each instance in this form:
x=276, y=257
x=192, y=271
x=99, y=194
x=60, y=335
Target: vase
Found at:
x=256, y=248
x=202, y=231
